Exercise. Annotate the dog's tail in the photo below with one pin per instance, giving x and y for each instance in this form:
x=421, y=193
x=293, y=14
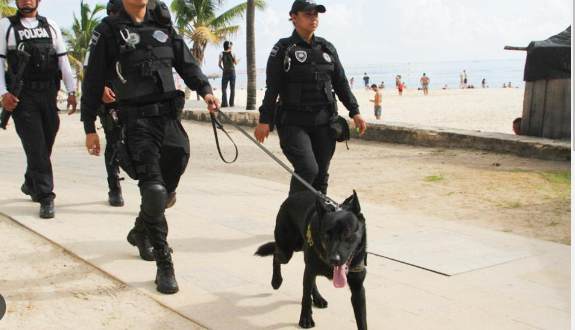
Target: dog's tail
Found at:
x=266, y=250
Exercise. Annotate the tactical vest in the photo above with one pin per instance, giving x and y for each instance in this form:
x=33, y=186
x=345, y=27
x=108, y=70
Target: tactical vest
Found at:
x=39, y=43
x=307, y=78
x=145, y=59
x=228, y=62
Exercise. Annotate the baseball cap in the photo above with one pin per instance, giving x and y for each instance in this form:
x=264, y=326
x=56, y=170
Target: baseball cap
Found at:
x=305, y=5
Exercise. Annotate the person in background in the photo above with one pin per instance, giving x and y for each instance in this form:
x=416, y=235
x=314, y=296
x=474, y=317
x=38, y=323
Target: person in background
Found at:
x=483, y=83
x=227, y=63
x=366, y=81
x=376, y=101
x=382, y=85
x=517, y=126
x=351, y=82
x=509, y=85
x=400, y=88
x=425, y=84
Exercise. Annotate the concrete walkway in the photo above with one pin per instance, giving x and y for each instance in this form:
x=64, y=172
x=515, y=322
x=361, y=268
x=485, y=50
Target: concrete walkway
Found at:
x=423, y=273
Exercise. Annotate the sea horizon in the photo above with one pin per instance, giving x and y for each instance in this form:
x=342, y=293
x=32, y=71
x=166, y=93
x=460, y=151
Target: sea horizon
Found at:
x=441, y=73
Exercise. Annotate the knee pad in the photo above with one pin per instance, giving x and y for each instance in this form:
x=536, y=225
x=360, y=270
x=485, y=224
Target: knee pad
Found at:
x=154, y=199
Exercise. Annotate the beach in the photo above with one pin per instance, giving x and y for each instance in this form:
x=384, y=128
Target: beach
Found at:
x=486, y=110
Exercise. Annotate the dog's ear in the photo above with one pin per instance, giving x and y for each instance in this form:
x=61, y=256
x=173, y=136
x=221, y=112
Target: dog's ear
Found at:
x=320, y=206
x=354, y=203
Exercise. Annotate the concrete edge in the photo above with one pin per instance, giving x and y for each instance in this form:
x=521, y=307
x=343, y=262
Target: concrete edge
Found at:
x=101, y=270
x=437, y=137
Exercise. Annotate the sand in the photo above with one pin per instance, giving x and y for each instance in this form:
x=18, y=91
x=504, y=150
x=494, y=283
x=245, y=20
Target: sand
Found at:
x=486, y=110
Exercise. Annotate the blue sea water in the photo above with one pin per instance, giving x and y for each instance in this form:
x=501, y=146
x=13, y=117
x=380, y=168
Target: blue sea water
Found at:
x=495, y=72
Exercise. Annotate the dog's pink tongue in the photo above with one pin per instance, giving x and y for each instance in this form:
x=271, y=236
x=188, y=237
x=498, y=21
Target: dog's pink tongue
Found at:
x=340, y=276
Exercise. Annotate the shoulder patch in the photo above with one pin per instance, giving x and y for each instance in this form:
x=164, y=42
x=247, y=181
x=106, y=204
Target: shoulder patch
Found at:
x=274, y=51
x=95, y=37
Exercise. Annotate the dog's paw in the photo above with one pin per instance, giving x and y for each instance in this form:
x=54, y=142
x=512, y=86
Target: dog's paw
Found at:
x=277, y=282
x=320, y=302
x=306, y=322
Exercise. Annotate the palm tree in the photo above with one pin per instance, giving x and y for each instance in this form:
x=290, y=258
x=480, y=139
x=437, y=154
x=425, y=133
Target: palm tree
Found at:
x=5, y=8
x=197, y=21
x=79, y=36
x=251, y=55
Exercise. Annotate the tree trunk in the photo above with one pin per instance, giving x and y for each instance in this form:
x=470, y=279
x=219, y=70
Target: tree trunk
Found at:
x=251, y=55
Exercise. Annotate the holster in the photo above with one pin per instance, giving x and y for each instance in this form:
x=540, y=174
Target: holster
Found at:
x=124, y=160
x=276, y=115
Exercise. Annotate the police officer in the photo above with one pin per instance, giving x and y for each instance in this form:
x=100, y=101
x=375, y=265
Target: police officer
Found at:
x=303, y=70
x=111, y=130
x=139, y=46
x=34, y=109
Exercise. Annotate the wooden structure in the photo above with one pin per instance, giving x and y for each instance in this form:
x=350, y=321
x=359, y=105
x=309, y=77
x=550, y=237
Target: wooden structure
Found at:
x=547, y=100
x=547, y=109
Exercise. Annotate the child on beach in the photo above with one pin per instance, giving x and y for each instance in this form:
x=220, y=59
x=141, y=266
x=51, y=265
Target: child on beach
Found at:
x=376, y=101
x=400, y=87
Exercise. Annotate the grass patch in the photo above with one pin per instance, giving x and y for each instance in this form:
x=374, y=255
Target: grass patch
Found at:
x=518, y=170
x=553, y=223
x=434, y=178
x=560, y=177
x=513, y=205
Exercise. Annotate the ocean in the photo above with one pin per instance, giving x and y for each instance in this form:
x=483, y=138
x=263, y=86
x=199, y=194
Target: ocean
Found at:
x=495, y=73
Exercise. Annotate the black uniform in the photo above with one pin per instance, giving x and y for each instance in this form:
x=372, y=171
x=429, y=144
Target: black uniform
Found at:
x=113, y=132
x=36, y=116
x=142, y=56
x=304, y=76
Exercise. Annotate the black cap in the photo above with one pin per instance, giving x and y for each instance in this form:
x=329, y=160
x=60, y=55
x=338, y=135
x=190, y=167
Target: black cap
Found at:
x=114, y=6
x=305, y=5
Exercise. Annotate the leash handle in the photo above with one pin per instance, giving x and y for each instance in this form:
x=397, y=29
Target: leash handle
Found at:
x=217, y=124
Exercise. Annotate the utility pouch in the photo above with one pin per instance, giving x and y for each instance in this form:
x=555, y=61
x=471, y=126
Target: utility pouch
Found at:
x=124, y=160
x=179, y=103
x=338, y=128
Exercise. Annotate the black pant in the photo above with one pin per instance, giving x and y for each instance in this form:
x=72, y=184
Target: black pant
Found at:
x=113, y=135
x=309, y=149
x=228, y=78
x=37, y=123
x=160, y=150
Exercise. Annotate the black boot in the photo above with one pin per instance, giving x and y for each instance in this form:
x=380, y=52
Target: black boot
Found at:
x=47, y=209
x=27, y=190
x=115, y=194
x=171, y=199
x=138, y=237
x=165, y=277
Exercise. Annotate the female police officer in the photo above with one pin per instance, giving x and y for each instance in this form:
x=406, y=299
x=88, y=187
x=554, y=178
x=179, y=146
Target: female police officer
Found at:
x=140, y=47
x=303, y=70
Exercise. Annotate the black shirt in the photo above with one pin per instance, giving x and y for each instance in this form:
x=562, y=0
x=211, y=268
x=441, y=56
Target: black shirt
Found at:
x=102, y=60
x=275, y=74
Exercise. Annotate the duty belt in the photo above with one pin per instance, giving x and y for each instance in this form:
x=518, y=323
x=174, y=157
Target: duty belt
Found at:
x=306, y=107
x=152, y=110
x=38, y=85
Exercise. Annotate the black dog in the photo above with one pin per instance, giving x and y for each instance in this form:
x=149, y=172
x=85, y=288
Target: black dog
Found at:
x=333, y=242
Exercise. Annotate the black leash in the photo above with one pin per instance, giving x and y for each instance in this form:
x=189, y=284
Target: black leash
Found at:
x=215, y=122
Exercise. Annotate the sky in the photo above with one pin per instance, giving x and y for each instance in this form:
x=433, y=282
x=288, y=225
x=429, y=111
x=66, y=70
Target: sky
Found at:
x=371, y=32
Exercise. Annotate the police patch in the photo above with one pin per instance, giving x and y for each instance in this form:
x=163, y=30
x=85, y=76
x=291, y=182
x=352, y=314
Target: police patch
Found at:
x=326, y=57
x=274, y=51
x=301, y=55
x=95, y=37
x=160, y=36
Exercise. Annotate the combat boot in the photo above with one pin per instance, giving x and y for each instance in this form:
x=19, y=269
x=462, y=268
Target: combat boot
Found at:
x=165, y=277
x=171, y=199
x=27, y=190
x=138, y=237
x=115, y=194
